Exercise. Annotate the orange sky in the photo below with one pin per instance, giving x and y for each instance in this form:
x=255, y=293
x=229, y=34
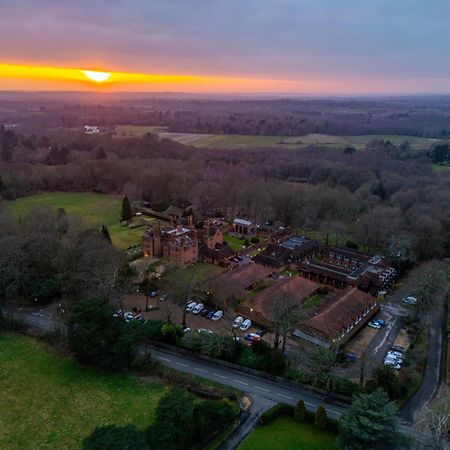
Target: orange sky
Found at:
x=50, y=78
x=23, y=77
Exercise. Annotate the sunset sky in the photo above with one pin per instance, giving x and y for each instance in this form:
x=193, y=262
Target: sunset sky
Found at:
x=272, y=46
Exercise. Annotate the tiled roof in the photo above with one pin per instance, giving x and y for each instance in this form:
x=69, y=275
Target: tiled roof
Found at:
x=298, y=287
x=341, y=313
x=246, y=275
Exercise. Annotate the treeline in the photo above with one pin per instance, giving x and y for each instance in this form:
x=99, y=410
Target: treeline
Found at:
x=385, y=198
x=426, y=116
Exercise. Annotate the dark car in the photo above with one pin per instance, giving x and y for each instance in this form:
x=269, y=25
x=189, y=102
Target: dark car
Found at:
x=261, y=332
x=210, y=314
x=153, y=294
x=205, y=312
x=380, y=322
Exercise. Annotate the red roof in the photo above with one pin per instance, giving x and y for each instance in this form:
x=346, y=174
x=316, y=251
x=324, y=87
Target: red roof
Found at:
x=246, y=275
x=341, y=315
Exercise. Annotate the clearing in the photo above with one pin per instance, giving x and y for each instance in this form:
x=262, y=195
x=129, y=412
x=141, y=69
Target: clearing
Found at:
x=285, y=433
x=248, y=141
x=49, y=402
x=94, y=210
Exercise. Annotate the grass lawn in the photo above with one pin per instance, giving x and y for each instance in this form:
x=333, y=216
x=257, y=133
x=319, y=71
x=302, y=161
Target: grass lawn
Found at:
x=94, y=210
x=286, y=434
x=441, y=167
x=202, y=271
x=314, y=301
x=234, y=243
x=49, y=402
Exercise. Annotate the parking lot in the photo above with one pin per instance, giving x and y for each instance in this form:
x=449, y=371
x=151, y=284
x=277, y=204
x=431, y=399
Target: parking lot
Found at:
x=175, y=312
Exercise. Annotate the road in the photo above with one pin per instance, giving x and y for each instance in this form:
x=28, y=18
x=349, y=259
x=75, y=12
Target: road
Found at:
x=264, y=392
x=257, y=387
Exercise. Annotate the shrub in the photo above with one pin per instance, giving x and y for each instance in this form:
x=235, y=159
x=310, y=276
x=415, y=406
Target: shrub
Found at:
x=300, y=376
x=276, y=411
x=300, y=411
x=321, y=420
x=254, y=240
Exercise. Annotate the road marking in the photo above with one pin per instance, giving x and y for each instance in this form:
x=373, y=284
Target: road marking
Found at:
x=240, y=382
x=201, y=370
x=164, y=359
x=181, y=364
x=262, y=389
x=285, y=396
x=220, y=376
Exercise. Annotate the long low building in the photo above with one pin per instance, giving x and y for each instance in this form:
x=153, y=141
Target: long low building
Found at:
x=246, y=276
x=260, y=308
x=341, y=316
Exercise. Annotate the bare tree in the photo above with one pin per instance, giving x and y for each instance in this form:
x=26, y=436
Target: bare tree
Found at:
x=285, y=314
x=322, y=364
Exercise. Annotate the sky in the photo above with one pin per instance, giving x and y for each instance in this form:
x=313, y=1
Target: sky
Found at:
x=260, y=46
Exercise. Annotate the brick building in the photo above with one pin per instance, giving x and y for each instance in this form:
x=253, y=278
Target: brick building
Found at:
x=179, y=244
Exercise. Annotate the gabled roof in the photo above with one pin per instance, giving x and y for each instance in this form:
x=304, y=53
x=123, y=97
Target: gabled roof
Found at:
x=339, y=314
x=246, y=275
x=299, y=288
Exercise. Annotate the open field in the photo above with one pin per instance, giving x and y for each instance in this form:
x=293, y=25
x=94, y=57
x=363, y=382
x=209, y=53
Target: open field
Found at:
x=49, y=402
x=286, y=434
x=94, y=210
x=136, y=130
x=441, y=167
x=248, y=141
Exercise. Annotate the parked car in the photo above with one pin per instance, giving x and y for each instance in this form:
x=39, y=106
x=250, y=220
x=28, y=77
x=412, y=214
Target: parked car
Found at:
x=237, y=322
x=163, y=298
x=397, y=348
x=211, y=314
x=261, y=332
x=237, y=338
x=153, y=294
x=409, y=300
x=198, y=308
x=380, y=322
x=252, y=337
x=204, y=330
x=217, y=315
x=205, y=312
x=393, y=364
x=188, y=330
x=375, y=325
x=245, y=325
x=190, y=306
x=239, y=258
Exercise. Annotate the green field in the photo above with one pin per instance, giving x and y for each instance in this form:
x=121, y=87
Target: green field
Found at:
x=441, y=167
x=48, y=402
x=93, y=209
x=136, y=130
x=249, y=141
x=233, y=242
x=286, y=434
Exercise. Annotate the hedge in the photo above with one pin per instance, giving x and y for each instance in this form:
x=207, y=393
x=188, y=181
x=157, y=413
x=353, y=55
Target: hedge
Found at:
x=281, y=409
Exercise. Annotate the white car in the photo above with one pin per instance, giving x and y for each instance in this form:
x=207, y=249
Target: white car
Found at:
x=245, y=325
x=375, y=325
x=410, y=300
x=204, y=330
x=393, y=364
x=217, y=315
x=198, y=308
x=190, y=306
x=237, y=322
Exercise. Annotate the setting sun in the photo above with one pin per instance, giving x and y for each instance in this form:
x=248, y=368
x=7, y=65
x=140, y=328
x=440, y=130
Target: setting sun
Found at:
x=98, y=77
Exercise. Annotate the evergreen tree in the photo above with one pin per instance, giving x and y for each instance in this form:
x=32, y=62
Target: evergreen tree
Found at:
x=105, y=233
x=112, y=437
x=300, y=411
x=369, y=424
x=321, y=419
x=127, y=212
